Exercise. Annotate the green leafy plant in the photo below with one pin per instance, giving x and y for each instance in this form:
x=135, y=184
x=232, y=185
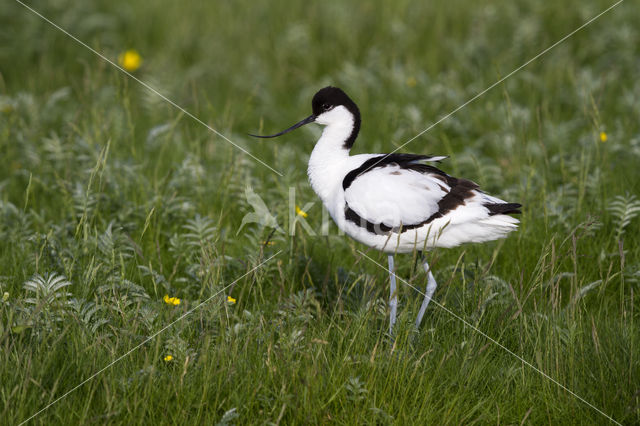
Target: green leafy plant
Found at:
x=624, y=209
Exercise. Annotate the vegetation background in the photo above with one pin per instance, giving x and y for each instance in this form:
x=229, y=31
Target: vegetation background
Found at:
x=110, y=199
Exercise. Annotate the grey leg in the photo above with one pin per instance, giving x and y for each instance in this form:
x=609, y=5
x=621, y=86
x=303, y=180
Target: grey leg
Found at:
x=393, y=296
x=428, y=294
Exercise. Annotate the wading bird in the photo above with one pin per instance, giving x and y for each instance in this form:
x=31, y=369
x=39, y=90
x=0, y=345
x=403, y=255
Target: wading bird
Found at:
x=395, y=203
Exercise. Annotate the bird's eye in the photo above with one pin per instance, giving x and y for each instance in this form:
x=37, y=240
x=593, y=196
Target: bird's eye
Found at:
x=326, y=107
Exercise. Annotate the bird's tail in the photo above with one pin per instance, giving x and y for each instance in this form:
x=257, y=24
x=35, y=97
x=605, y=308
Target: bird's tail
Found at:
x=503, y=208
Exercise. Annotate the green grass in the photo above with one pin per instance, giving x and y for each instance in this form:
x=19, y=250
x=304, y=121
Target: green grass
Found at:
x=107, y=185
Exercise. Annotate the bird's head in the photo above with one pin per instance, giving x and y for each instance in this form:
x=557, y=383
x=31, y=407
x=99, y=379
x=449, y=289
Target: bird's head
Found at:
x=331, y=107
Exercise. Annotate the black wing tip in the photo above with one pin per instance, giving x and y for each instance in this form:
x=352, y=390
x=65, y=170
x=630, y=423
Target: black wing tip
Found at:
x=503, y=208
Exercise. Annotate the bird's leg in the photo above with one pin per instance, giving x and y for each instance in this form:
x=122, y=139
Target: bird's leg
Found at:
x=428, y=294
x=393, y=297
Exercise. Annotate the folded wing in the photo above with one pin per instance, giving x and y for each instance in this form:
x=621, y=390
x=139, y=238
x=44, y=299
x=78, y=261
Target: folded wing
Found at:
x=403, y=192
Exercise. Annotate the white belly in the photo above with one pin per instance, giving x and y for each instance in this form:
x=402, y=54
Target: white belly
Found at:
x=439, y=233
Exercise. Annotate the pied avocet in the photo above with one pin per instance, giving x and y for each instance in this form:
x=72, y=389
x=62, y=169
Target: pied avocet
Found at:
x=395, y=203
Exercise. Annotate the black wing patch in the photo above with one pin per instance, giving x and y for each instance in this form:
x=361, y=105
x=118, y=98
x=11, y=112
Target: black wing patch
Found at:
x=379, y=228
x=405, y=161
x=503, y=208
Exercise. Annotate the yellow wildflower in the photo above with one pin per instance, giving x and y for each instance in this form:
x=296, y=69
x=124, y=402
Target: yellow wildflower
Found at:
x=268, y=243
x=301, y=212
x=6, y=107
x=231, y=300
x=168, y=358
x=603, y=137
x=171, y=300
x=130, y=60
x=412, y=82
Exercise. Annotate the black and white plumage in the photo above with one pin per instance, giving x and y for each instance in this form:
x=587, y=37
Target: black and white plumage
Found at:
x=395, y=203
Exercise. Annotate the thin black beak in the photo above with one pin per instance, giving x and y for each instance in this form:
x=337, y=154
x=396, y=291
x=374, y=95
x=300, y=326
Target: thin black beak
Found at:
x=309, y=119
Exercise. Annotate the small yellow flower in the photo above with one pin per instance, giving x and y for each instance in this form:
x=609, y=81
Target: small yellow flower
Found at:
x=412, y=82
x=168, y=358
x=268, y=243
x=6, y=108
x=231, y=300
x=130, y=60
x=301, y=212
x=171, y=300
x=603, y=137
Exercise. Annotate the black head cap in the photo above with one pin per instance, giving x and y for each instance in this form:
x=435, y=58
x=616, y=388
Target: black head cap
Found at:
x=330, y=97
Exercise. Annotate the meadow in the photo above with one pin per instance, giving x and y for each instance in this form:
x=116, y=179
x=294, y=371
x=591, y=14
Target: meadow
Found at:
x=133, y=293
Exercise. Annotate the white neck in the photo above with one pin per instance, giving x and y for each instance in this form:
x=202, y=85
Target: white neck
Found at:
x=328, y=158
